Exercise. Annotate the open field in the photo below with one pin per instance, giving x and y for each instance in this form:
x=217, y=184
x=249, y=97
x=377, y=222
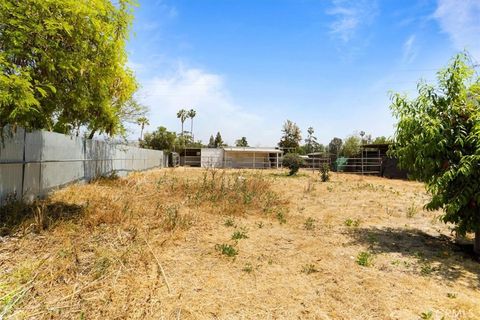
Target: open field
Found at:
x=194, y=244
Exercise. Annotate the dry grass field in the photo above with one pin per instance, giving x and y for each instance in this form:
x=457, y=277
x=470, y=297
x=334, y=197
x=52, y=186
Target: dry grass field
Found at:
x=195, y=244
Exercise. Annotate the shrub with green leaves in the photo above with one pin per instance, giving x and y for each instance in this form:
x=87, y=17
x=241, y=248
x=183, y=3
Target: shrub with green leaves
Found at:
x=325, y=172
x=292, y=161
x=438, y=141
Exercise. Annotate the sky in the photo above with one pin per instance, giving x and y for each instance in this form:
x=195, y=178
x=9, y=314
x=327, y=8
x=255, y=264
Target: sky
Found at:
x=246, y=66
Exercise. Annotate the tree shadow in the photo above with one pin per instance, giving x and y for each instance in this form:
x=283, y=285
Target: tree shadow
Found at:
x=435, y=255
x=37, y=216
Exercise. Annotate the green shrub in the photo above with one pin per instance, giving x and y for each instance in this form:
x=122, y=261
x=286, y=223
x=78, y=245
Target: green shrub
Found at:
x=325, y=172
x=293, y=162
x=226, y=249
x=365, y=259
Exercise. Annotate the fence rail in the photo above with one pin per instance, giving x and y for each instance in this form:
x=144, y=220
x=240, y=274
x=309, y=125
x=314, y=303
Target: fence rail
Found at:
x=34, y=163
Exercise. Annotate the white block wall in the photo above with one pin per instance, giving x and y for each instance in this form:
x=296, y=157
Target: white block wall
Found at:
x=34, y=163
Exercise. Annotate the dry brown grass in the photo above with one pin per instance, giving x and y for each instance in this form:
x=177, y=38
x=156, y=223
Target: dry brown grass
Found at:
x=97, y=251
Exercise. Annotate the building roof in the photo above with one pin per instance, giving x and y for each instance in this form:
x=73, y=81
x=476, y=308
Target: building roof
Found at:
x=376, y=146
x=251, y=149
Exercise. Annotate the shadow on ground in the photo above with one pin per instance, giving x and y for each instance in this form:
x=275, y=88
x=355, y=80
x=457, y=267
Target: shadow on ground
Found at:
x=37, y=216
x=435, y=255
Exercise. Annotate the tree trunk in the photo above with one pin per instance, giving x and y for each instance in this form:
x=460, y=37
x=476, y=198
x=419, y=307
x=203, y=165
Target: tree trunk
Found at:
x=191, y=129
x=476, y=242
x=92, y=133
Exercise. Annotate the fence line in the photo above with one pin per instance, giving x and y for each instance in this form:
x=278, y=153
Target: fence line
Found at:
x=34, y=163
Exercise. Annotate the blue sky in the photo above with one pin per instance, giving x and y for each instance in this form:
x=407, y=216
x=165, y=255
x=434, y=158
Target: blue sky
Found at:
x=248, y=65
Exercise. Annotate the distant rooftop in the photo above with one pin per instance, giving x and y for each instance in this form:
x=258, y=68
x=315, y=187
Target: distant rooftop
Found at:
x=252, y=149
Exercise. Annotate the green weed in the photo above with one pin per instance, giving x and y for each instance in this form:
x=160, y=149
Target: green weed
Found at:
x=239, y=234
x=309, y=269
x=352, y=223
x=365, y=259
x=309, y=224
x=226, y=249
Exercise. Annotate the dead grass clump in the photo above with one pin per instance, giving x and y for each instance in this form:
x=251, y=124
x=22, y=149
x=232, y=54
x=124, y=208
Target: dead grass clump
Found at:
x=228, y=194
x=37, y=216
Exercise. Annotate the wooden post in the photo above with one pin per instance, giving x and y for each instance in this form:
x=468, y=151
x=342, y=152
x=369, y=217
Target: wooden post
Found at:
x=277, y=159
x=253, y=159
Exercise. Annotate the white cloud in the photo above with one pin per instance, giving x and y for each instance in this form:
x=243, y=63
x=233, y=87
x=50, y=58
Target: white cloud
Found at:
x=206, y=93
x=409, y=49
x=461, y=21
x=350, y=15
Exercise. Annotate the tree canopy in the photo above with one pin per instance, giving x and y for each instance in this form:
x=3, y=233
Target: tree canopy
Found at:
x=351, y=146
x=291, y=137
x=242, y=142
x=311, y=143
x=63, y=65
x=335, y=146
x=437, y=140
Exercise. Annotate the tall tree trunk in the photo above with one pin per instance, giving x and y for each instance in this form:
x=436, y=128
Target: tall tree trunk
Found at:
x=90, y=136
x=141, y=132
x=191, y=129
x=476, y=242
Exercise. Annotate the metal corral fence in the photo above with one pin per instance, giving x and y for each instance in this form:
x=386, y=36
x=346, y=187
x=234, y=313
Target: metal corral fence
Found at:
x=34, y=163
x=363, y=165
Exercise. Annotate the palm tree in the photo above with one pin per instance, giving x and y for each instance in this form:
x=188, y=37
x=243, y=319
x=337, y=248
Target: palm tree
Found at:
x=191, y=114
x=142, y=122
x=182, y=114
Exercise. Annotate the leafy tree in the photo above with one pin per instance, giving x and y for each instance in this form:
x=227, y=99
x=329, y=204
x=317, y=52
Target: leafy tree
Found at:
x=218, y=141
x=335, y=146
x=211, y=142
x=242, y=142
x=63, y=65
x=311, y=143
x=381, y=140
x=142, y=122
x=291, y=137
x=351, y=146
x=292, y=161
x=191, y=114
x=437, y=140
x=161, y=139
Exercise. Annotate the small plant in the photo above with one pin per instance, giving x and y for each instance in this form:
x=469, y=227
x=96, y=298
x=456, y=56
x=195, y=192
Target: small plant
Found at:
x=229, y=222
x=248, y=268
x=427, y=315
x=451, y=295
x=412, y=211
x=325, y=172
x=226, y=249
x=292, y=161
x=260, y=225
x=426, y=269
x=309, y=269
x=239, y=234
x=329, y=188
x=173, y=219
x=365, y=259
x=352, y=223
x=281, y=217
x=309, y=224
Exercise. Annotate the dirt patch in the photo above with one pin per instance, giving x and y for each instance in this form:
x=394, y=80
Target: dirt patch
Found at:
x=239, y=245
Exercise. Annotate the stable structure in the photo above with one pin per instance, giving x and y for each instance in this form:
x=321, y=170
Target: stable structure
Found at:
x=253, y=158
x=241, y=157
x=191, y=157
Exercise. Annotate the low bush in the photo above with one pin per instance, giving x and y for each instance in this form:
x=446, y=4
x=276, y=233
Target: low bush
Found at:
x=293, y=162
